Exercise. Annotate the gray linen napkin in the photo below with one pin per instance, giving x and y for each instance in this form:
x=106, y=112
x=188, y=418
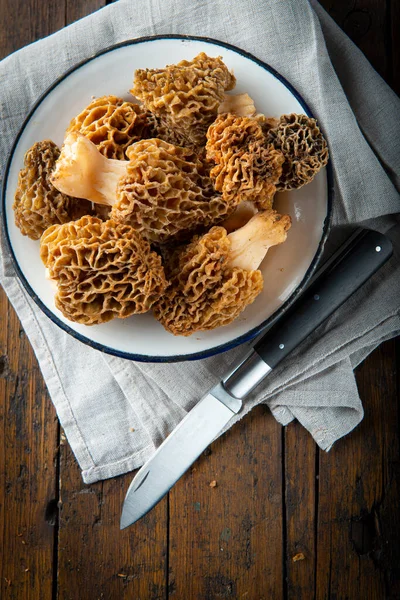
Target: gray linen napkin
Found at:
x=115, y=412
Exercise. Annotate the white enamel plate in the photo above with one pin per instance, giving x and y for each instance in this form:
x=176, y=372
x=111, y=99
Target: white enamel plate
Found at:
x=286, y=268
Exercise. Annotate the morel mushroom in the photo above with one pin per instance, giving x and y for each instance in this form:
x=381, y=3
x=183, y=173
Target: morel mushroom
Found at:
x=163, y=191
x=216, y=276
x=37, y=203
x=246, y=167
x=157, y=127
x=102, y=270
x=185, y=96
x=112, y=125
x=304, y=147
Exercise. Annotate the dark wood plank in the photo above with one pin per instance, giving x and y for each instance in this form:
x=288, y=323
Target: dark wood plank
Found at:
x=76, y=9
x=226, y=541
x=357, y=549
x=25, y=21
x=300, y=495
x=28, y=447
x=3, y=396
x=387, y=512
x=366, y=23
x=95, y=559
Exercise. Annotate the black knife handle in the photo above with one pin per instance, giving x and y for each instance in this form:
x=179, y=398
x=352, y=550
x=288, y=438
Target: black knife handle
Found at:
x=349, y=271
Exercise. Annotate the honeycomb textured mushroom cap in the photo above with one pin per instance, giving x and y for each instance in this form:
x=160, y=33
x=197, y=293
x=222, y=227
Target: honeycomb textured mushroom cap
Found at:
x=186, y=96
x=102, y=270
x=304, y=147
x=167, y=193
x=246, y=167
x=159, y=128
x=205, y=293
x=112, y=124
x=37, y=203
x=267, y=123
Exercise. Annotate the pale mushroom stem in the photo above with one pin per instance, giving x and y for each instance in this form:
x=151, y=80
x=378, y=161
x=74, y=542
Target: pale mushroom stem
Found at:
x=239, y=104
x=242, y=214
x=83, y=172
x=250, y=243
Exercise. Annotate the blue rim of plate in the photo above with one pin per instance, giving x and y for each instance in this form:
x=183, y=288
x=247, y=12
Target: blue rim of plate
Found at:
x=250, y=335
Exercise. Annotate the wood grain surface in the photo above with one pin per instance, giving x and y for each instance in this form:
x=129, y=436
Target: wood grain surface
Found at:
x=284, y=520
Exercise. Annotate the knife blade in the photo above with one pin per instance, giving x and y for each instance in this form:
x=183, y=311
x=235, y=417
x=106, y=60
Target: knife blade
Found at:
x=181, y=448
x=349, y=270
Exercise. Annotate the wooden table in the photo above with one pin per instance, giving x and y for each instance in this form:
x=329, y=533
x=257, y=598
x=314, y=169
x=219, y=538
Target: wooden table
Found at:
x=277, y=496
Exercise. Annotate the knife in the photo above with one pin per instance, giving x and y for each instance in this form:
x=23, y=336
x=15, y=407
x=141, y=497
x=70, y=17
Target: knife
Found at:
x=361, y=257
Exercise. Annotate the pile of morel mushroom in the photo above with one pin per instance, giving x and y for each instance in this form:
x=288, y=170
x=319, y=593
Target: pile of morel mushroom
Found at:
x=165, y=203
